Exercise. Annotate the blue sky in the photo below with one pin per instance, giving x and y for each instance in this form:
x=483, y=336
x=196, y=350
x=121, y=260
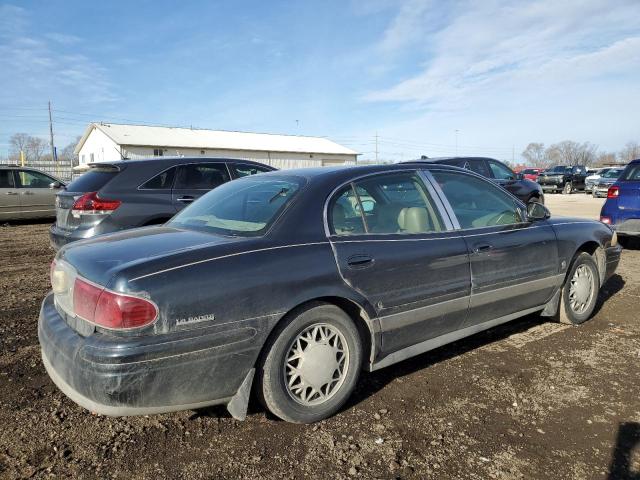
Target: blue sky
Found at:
x=501, y=73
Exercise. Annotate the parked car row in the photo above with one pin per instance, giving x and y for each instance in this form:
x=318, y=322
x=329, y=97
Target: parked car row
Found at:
x=287, y=284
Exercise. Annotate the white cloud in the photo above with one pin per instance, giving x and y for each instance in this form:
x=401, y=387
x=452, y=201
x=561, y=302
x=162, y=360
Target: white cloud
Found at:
x=500, y=57
x=36, y=67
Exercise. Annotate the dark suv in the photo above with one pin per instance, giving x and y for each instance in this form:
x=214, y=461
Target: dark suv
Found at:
x=134, y=193
x=526, y=190
x=563, y=178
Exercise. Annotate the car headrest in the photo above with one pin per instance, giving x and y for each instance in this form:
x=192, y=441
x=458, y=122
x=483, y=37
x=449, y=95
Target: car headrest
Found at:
x=414, y=220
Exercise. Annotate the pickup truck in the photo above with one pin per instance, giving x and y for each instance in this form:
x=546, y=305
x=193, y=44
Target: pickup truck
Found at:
x=563, y=178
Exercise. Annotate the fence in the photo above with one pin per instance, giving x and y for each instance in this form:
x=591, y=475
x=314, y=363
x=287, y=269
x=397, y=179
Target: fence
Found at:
x=63, y=169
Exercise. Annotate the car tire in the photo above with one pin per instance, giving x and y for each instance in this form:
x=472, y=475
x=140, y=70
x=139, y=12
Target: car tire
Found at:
x=568, y=188
x=579, y=294
x=293, y=390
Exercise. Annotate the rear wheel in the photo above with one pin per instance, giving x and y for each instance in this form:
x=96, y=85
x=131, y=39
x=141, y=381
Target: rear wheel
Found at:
x=568, y=188
x=580, y=291
x=311, y=364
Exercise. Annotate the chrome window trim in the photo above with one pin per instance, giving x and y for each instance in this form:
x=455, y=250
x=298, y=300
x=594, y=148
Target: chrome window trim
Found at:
x=437, y=204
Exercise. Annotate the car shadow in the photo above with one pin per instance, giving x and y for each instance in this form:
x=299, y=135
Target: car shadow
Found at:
x=372, y=382
x=608, y=290
x=627, y=439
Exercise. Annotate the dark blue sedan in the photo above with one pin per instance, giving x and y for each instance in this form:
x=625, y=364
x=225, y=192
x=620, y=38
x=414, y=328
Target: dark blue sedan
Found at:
x=621, y=211
x=287, y=284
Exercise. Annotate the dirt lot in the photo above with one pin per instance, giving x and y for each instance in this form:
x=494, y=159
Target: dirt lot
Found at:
x=527, y=400
x=578, y=204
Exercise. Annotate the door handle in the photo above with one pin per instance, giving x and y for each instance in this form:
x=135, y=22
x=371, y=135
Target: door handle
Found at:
x=186, y=199
x=11, y=193
x=482, y=248
x=360, y=260
x=27, y=193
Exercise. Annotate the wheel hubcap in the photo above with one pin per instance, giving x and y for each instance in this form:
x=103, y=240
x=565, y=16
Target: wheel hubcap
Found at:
x=581, y=289
x=316, y=364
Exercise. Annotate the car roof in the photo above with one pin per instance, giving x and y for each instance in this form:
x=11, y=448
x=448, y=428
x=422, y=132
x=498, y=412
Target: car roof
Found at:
x=445, y=159
x=169, y=161
x=351, y=171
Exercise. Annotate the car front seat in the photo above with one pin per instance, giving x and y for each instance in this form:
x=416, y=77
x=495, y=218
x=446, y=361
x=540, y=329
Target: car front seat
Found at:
x=414, y=220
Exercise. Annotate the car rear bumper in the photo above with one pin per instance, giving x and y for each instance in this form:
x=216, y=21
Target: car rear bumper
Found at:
x=141, y=375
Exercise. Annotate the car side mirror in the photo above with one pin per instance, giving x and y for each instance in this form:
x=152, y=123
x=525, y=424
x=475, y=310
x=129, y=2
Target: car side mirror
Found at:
x=519, y=176
x=55, y=185
x=537, y=211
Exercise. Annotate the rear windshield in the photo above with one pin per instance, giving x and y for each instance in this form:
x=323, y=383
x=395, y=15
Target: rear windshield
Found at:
x=529, y=171
x=242, y=208
x=631, y=173
x=93, y=180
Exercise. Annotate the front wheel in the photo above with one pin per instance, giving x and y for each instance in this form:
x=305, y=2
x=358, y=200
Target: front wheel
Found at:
x=311, y=364
x=580, y=291
x=568, y=188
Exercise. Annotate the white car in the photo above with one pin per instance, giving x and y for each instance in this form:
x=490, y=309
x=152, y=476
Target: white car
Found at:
x=592, y=180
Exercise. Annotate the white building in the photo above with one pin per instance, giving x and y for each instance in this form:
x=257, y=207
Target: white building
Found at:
x=109, y=141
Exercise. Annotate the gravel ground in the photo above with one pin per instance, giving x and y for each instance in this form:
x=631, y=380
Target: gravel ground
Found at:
x=527, y=400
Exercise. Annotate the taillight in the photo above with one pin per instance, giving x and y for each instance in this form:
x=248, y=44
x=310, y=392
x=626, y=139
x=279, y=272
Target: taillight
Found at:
x=605, y=220
x=613, y=192
x=111, y=309
x=89, y=203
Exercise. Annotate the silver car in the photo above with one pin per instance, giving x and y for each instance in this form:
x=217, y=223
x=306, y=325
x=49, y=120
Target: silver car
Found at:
x=27, y=193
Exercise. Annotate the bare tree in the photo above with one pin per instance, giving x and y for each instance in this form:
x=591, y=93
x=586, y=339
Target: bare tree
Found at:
x=569, y=152
x=534, y=154
x=631, y=151
x=36, y=147
x=67, y=155
x=606, y=158
x=17, y=143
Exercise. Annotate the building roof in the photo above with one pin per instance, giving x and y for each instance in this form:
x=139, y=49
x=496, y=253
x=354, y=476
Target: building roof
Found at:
x=148, y=136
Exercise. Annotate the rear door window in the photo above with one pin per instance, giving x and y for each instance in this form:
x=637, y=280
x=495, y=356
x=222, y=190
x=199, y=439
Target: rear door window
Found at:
x=201, y=176
x=6, y=179
x=244, y=170
x=93, y=180
x=162, y=181
x=392, y=203
x=479, y=166
x=631, y=173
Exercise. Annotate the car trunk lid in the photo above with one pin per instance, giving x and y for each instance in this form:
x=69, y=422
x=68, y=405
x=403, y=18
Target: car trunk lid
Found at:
x=98, y=259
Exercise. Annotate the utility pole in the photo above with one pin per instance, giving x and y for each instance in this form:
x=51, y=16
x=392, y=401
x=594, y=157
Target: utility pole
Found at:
x=376, y=147
x=53, y=150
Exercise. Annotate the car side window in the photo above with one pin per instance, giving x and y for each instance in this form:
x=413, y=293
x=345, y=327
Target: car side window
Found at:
x=162, y=181
x=29, y=179
x=6, y=179
x=477, y=166
x=500, y=172
x=395, y=203
x=201, y=176
x=478, y=203
x=243, y=170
